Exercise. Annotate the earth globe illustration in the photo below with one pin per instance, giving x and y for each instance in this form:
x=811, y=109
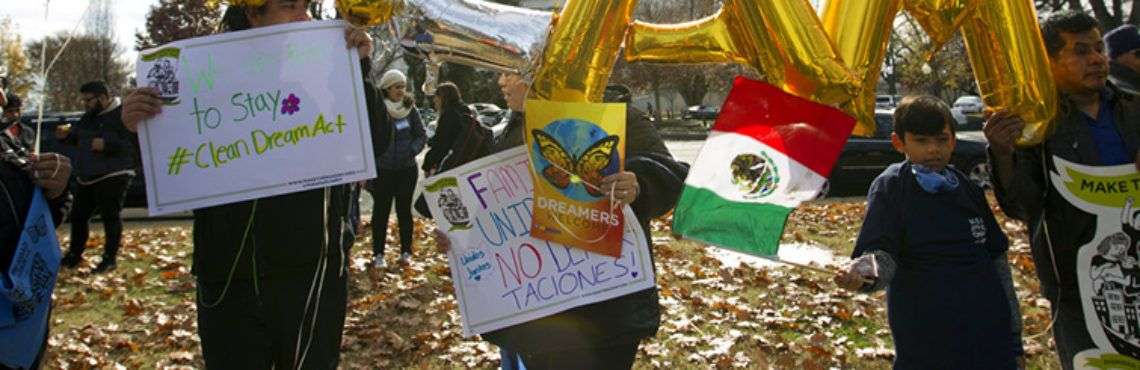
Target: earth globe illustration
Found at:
x=575, y=136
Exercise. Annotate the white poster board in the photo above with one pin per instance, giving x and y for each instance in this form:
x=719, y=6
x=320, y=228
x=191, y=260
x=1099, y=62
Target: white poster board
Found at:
x=1108, y=272
x=253, y=114
x=502, y=275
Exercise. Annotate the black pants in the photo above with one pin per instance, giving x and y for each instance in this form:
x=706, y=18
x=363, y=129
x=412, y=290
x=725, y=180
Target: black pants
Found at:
x=258, y=329
x=399, y=184
x=106, y=197
x=617, y=357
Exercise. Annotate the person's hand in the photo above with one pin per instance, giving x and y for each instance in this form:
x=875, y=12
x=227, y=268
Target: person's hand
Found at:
x=355, y=37
x=1002, y=130
x=442, y=243
x=97, y=144
x=62, y=131
x=621, y=186
x=51, y=172
x=140, y=104
x=849, y=278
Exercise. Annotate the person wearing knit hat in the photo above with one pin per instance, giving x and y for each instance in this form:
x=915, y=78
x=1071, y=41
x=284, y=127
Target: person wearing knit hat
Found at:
x=1123, y=46
x=396, y=167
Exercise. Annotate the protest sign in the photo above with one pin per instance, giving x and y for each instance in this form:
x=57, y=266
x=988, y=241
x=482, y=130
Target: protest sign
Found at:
x=503, y=276
x=1107, y=266
x=573, y=146
x=252, y=114
x=26, y=287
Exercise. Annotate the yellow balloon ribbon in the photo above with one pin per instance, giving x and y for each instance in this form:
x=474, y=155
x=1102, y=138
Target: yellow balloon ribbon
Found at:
x=367, y=13
x=782, y=39
x=941, y=18
x=581, y=50
x=1011, y=65
x=861, y=30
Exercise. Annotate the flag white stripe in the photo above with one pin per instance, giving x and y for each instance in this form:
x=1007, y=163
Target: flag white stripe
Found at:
x=713, y=171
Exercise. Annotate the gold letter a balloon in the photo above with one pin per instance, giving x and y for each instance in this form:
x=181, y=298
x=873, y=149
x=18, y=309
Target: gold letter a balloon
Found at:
x=861, y=30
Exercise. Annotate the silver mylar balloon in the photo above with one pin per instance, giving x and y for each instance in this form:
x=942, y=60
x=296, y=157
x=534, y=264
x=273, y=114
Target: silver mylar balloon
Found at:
x=471, y=32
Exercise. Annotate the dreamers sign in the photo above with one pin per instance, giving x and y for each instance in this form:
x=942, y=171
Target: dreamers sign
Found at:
x=573, y=146
x=253, y=114
x=503, y=276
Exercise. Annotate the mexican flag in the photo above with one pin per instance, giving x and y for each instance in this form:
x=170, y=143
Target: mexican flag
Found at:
x=767, y=152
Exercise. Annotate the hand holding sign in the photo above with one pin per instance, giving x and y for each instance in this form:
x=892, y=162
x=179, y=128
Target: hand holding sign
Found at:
x=251, y=107
x=51, y=172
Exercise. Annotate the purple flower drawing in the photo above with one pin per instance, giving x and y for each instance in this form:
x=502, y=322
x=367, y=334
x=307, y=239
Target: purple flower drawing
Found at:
x=290, y=105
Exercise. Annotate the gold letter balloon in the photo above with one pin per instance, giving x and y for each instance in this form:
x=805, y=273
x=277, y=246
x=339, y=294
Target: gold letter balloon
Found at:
x=861, y=30
x=569, y=57
x=1011, y=66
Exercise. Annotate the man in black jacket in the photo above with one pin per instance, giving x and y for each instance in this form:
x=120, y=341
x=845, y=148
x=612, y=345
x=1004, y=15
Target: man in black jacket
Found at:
x=272, y=272
x=105, y=166
x=1095, y=125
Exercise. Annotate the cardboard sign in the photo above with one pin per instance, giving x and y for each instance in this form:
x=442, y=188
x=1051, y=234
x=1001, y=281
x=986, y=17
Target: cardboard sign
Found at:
x=503, y=276
x=572, y=147
x=253, y=114
x=1108, y=271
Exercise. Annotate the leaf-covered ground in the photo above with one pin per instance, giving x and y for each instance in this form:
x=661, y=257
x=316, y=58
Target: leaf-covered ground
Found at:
x=143, y=314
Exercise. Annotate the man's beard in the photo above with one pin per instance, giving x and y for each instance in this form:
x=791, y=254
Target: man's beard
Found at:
x=98, y=108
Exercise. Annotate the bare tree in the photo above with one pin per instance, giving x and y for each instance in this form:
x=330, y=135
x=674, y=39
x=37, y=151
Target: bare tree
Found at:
x=99, y=27
x=947, y=74
x=78, y=64
x=173, y=20
x=1110, y=13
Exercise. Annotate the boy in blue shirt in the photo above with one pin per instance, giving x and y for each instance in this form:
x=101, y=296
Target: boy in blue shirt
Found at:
x=930, y=239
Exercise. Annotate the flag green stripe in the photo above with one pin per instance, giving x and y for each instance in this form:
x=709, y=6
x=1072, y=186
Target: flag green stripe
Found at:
x=753, y=228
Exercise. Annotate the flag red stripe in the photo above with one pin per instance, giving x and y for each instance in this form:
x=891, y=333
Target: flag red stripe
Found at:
x=807, y=132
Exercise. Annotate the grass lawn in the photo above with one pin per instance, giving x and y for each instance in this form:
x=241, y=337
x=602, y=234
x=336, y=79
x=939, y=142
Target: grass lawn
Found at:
x=143, y=314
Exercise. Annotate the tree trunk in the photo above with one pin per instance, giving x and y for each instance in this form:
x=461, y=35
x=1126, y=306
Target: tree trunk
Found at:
x=1100, y=11
x=657, y=98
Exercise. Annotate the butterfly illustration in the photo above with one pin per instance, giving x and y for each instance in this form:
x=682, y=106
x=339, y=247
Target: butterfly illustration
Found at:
x=565, y=170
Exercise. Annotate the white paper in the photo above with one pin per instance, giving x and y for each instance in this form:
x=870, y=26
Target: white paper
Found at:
x=504, y=277
x=253, y=114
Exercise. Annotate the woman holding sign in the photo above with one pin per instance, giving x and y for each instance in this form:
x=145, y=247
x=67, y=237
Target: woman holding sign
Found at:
x=603, y=335
x=271, y=273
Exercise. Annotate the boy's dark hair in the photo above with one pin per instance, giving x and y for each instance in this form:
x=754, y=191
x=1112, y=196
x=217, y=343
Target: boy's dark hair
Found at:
x=1069, y=21
x=922, y=115
x=95, y=88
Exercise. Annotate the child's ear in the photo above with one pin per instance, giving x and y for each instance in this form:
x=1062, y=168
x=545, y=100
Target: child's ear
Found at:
x=897, y=142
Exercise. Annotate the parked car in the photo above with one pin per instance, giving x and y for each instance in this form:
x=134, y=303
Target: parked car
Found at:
x=701, y=112
x=970, y=104
x=488, y=114
x=136, y=193
x=887, y=101
x=864, y=158
x=959, y=117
